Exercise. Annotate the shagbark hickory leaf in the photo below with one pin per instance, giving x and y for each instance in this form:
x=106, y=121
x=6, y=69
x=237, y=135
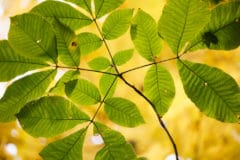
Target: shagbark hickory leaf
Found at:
x=123, y=56
x=117, y=23
x=223, y=29
x=103, y=7
x=108, y=83
x=159, y=88
x=13, y=64
x=49, y=116
x=82, y=92
x=89, y=42
x=85, y=4
x=59, y=88
x=123, y=112
x=66, y=14
x=99, y=63
x=38, y=41
x=144, y=35
x=68, y=148
x=23, y=91
x=214, y=92
x=67, y=45
x=181, y=21
x=115, y=147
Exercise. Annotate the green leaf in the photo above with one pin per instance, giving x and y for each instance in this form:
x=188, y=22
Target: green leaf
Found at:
x=144, y=35
x=13, y=63
x=68, y=148
x=115, y=147
x=123, y=57
x=85, y=4
x=59, y=88
x=66, y=14
x=223, y=30
x=33, y=42
x=181, y=21
x=99, y=63
x=214, y=92
x=23, y=91
x=117, y=23
x=159, y=88
x=108, y=83
x=82, y=92
x=123, y=112
x=67, y=45
x=89, y=42
x=103, y=7
x=50, y=116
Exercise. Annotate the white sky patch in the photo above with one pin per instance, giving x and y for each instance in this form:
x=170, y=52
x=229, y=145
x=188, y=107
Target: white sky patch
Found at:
x=60, y=73
x=3, y=86
x=97, y=139
x=24, y=4
x=5, y=25
x=173, y=157
x=11, y=149
x=40, y=1
x=14, y=133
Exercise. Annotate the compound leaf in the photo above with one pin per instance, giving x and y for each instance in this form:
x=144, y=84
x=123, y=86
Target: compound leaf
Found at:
x=82, y=92
x=68, y=148
x=181, y=21
x=23, y=91
x=123, y=57
x=117, y=23
x=214, y=92
x=103, y=7
x=145, y=36
x=66, y=14
x=89, y=42
x=50, y=116
x=99, y=63
x=34, y=42
x=123, y=112
x=159, y=88
x=14, y=63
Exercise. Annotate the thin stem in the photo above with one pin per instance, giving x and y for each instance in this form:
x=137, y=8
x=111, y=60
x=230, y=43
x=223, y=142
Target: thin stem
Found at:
x=147, y=65
x=156, y=112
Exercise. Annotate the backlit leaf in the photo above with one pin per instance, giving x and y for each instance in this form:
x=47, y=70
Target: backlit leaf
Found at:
x=145, y=36
x=181, y=21
x=159, y=88
x=99, y=63
x=85, y=4
x=214, y=92
x=123, y=112
x=123, y=56
x=50, y=116
x=117, y=23
x=23, y=91
x=68, y=148
x=15, y=64
x=34, y=42
x=82, y=92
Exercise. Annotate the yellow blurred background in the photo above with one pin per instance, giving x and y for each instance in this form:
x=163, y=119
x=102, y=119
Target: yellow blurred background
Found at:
x=197, y=136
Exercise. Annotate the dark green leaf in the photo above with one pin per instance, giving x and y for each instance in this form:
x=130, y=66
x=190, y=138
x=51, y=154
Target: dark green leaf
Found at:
x=15, y=64
x=213, y=91
x=181, y=20
x=159, y=88
x=68, y=148
x=223, y=30
x=89, y=42
x=23, y=91
x=108, y=83
x=123, y=112
x=99, y=63
x=82, y=92
x=59, y=88
x=66, y=14
x=145, y=36
x=117, y=23
x=103, y=7
x=50, y=116
x=67, y=45
x=122, y=57
x=115, y=147
x=34, y=42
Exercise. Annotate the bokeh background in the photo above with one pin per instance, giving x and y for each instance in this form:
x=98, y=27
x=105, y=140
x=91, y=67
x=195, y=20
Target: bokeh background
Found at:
x=197, y=136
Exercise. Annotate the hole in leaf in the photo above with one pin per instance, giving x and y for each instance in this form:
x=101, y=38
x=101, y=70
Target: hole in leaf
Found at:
x=74, y=44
